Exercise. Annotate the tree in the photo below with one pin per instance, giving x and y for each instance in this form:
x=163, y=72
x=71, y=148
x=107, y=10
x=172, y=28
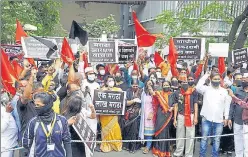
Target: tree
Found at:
x=96, y=28
x=180, y=21
x=42, y=14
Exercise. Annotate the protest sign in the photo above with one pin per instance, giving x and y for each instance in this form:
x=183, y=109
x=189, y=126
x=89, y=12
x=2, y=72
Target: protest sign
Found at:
x=218, y=49
x=109, y=102
x=102, y=52
x=12, y=50
x=127, y=53
x=85, y=133
x=240, y=56
x=190, y=48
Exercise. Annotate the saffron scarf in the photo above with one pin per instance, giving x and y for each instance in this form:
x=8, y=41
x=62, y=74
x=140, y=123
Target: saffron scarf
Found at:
x=187, y=110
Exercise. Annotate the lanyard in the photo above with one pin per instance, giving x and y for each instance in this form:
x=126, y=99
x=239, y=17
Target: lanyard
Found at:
x=48, y=134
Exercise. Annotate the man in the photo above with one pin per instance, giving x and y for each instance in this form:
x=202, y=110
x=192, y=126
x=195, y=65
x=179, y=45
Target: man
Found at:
x=216, y=104
x=101, y=74
x=135, y=76
x=237, y=82
x=151, y=62
x=185, y=118
x=228, y=80
x=235, y=114
x=90, y=84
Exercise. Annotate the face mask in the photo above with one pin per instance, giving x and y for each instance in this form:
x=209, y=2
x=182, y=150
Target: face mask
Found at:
x=191, y=83
x=135, y=89
x=118, y=79
x=184, y=86
x=134, y=77
x=215, y=83
x=102, y=72
x=244, y=84
x=91, y=77
x=44, y=109
x=166, y=89
x=111, y=84
x=154, y=80
x=238, y=83
x=159, y=74
x=174, y=83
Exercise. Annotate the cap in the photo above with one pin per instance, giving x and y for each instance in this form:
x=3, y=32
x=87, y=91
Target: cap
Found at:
x=89, y=69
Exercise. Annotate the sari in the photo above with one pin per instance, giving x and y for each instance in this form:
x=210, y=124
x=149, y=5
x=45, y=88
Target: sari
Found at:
x=132, y=122
x=163, y=100
x=110, y=131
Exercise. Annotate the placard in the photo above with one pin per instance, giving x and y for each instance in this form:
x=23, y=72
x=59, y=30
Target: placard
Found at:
x=12, y=50
x=109, y=102
x=218, y=49
x=85, y=133
x=127, y=53
x=240, y=56
x=103, y=52
x=190, y=48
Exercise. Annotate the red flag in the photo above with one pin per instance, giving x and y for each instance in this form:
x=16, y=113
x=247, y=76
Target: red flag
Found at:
x=135, y=66
x=19, y=32
x=17, y=68
x=9, y=88
x=85, y=59
x=173, y=55
x=221, y=65
x=157, y=59
x=32, y=62
x=144, y=38
x=66, y=52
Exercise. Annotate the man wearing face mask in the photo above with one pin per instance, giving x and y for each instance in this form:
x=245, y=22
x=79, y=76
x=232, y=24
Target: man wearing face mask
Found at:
x=135, y=76
x=101, y=74
x=216, y=105
x=237, y=83
x=90, y=82
x=185, y=118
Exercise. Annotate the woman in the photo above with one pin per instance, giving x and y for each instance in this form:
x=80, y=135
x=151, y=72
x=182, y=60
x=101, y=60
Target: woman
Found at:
x=110, y=127
x=164, y=101
x=47, y=134
x=147, y=122
x=153, y=77
x=132, y=117
x=174, y=84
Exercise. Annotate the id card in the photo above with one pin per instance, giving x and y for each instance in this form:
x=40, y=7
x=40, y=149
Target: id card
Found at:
x=50, y=147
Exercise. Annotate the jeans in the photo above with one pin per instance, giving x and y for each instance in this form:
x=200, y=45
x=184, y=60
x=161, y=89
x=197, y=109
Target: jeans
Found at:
x=148, y=143
x=207, y=126
x=239, y=140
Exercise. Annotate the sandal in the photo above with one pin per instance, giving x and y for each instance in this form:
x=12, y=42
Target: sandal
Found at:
x=146, y=150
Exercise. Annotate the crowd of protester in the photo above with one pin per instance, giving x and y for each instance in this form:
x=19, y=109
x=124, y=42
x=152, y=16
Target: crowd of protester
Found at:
x=163, y=101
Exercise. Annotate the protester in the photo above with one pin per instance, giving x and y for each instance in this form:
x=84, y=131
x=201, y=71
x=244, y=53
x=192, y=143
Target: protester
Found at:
x=41, y=136
x=101, y=74
x=213, y=120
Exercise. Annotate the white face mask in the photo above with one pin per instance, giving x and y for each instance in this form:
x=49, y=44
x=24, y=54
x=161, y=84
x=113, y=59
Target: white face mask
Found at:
x=111, y=84
x=154, y=80
x=159, y=75
x=102, y=72
x=91, y=77
x=134, y=77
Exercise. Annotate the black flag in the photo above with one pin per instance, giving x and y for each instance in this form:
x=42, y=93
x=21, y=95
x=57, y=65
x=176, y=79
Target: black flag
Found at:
x=52, y=47
x=77, y=31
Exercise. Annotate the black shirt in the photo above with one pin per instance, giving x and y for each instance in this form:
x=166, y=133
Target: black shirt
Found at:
x=26, y=113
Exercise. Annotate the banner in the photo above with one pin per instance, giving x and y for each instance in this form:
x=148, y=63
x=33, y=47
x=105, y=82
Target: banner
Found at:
x=12, y=50
x=240, y=56
x=102, y=52
x=218, y=49
x=109, y=102
x=190, y=48
x=85, y=133
x=127, y=53
x=35, y=49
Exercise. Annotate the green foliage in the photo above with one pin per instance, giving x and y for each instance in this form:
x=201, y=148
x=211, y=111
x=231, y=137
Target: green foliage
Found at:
x=178, y=22
x=96, y=28
x=42, y=14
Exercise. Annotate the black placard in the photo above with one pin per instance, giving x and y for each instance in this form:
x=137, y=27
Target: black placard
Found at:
x=109, y=102
x=12, y=50
x=240, y=56
x=188, y=48
x=85, y=133
x=102, y=52
x=127, y=53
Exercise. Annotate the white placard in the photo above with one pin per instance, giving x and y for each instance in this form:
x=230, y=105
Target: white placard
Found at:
x=218, y=49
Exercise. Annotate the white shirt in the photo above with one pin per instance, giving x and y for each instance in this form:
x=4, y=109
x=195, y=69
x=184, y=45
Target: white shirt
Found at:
x=216, y=102
x=9, y=130
x=228, y=81
x=91, y=86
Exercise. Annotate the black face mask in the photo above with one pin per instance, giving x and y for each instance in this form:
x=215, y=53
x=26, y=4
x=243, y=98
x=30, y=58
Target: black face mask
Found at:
x=191, y=83
x=174, y=83
x=184, y=86
x=238, y=83
x=44, y=109
x=118, y=79
x=244, y=84
x=215, y=83
x=166, y=89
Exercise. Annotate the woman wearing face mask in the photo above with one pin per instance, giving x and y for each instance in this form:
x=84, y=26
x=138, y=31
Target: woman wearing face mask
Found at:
x=174, y=84
x=132, y=118
x=153, y=77
x=120, y=82
x=41, y=135
x=163, y=101
x=110, y=127
x=147, y=122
